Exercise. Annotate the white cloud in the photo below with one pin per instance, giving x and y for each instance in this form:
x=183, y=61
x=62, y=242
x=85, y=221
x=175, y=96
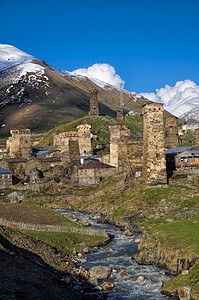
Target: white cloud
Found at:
x=104, y=73
x=178, y=99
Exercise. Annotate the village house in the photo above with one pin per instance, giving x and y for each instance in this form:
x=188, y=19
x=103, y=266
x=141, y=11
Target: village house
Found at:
x=5, y=178
x=190, y=126
x=92, y=173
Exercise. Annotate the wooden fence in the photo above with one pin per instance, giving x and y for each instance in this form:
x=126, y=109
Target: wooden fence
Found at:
x=57, y=228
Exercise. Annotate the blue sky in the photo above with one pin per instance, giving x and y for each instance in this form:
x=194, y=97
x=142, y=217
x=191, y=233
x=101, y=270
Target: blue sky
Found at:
x=150, y=43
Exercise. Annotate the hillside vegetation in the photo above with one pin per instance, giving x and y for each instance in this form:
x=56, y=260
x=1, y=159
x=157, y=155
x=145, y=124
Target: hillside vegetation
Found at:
x=99, y=126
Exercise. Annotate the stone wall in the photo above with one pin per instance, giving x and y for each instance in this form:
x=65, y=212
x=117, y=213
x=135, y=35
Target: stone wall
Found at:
x=19, y=145
x=5, y=180
x=84, y=138
x=67, y=143
x=154, y=160
x=94, y=105
x=197, y=137
x=130, y=154
x=89, y=177
x=171, y=132
x=120, y=113
x=116, y=132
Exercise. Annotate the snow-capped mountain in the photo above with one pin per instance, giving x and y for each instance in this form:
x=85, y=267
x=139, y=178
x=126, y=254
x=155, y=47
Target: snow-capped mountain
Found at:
x=179, y=99
x=192, y=114
x=39, y=96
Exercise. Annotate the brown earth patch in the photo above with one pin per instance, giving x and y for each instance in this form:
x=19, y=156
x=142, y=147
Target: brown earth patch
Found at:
x=26, y=213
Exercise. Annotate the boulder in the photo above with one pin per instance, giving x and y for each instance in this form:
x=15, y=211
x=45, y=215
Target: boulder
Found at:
x=100, y=272
x=184, y=293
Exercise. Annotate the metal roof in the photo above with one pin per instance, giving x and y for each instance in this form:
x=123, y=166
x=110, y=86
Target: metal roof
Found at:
x=178, y=149
x=96, y=164
x=4, y=171
x=40, y=152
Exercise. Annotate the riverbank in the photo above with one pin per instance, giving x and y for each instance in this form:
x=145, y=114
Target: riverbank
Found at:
x=156, y=211
x=167, y=216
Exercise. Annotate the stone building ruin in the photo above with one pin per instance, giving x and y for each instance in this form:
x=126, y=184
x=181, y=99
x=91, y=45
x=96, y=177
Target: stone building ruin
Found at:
x=171, y=132
x=94, y=105
x=120, y=113
x=19, y=145
x=154, y=159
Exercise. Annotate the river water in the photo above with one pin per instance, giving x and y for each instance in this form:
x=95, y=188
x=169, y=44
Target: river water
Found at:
x=125, y=271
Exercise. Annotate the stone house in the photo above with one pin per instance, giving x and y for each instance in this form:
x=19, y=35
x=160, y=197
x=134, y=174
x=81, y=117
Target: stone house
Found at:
x=92, y=173
x=5, y=178
x=190, y=126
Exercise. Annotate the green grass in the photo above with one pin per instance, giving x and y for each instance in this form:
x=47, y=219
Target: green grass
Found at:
x=65, y=242
x=99, y=125
x=181, y=235
x=191, y=280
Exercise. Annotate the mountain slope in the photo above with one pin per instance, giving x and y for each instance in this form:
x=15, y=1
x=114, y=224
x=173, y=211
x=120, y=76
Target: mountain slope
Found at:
x=192, y=114
x=36, y=95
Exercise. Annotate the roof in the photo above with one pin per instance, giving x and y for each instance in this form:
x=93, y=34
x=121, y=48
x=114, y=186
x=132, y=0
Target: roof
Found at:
x=4, y=171
x=178, y=149
x=95, y=164
x=40, y=152
x=190, y=151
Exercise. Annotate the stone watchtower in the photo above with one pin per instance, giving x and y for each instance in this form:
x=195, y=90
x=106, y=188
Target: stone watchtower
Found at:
x=94, y=105
x=116, y=132
x=154, y=158
x=171, y=132
x=120, y=113
x=84, y=138
x=19, y=145
x=67, y=143
x=197, y=137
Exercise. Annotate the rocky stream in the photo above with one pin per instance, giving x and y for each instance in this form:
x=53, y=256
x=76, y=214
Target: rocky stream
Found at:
x=128, y=279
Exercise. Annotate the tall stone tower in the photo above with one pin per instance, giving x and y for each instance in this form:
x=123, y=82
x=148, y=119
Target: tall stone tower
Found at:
x=197, y=137
x=84, y=138
x=67, y=143
x=94, y=105
x=154, y=158
x=19, y=145
x=120, y=113
x=116, y=132
x=171, y=132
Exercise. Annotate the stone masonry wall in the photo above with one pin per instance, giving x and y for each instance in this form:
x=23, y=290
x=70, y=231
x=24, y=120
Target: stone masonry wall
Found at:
x=84, y=138
x=116, y=132
x=197, y=137
x=171, y=132
x=154, y=160
x=19, y=145
x=67, y=143
x=94, y=105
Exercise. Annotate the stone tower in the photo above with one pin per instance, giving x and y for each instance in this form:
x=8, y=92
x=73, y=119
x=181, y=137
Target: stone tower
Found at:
x=154, y=158
x=84, y=138
x=197, y=137
x=19, y=145
x=116, y=132
x=94, y=105
x=67, y=143
x=120, y=113
x=171, y=132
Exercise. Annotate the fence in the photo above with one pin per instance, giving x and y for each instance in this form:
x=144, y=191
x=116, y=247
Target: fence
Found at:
x=36, y=187
x=41, y=227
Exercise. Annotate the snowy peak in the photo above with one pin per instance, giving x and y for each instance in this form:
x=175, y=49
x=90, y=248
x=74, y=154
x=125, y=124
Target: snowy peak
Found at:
x=179, y=99
x=11, y=56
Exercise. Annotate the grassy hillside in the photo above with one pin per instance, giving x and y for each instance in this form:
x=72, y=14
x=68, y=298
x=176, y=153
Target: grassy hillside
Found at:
x=99, y=125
